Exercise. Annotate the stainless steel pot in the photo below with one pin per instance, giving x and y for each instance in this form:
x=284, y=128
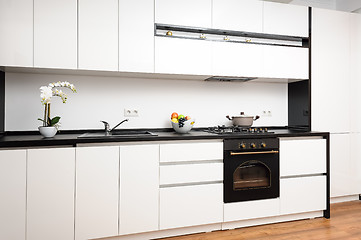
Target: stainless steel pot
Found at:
x=242, y=120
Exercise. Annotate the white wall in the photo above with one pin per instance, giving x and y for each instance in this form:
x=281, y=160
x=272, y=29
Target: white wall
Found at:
x=104, y=98
x=328, y=4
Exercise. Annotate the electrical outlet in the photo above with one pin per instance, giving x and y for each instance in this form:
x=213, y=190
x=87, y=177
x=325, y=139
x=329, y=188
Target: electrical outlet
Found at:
x=266, y=113
x=128, y=112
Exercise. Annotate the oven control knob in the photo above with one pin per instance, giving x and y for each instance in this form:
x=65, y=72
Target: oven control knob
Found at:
x=263, y=145
x=253, y=145
x=242, y=145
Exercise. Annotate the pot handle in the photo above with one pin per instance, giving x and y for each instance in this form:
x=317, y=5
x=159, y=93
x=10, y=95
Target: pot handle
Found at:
x=228, y=117
x=257, y=117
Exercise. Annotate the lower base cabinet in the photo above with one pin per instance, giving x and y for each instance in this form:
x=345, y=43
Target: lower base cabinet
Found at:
x=13, y=194
x=97, y=192
x=139, y=188
x=50, y=194
x=191, y=205
x=303, y=194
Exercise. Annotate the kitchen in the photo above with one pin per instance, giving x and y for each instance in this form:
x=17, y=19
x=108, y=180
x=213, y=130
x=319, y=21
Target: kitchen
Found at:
x=110, y=93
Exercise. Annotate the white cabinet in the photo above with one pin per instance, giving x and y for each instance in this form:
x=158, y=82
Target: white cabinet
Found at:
x=237, y=59
x=50, y=194
x=251, y=209
x=304, y=194
x=183, y=56
x=191, y=205
x=98, y=35
x=191, y=151
x=136, y=35
x=13, y=194
x=184, y=12
x=343, y=164
x=285, y=62
x=97, y=192
x=302, y=156
x=55, y=34
x=330, y=71
x=139, y=188
x=355, y=163
x=245, y=15
x=285, y=19
x=16, y=28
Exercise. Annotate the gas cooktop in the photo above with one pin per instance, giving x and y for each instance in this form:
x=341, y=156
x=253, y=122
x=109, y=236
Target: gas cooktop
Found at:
x=238, y=130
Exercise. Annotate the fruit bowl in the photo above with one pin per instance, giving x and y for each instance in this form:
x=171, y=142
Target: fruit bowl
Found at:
x=187, y=126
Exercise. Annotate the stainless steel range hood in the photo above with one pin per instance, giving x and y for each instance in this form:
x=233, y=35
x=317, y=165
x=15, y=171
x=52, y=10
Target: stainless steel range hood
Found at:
x=230, y=79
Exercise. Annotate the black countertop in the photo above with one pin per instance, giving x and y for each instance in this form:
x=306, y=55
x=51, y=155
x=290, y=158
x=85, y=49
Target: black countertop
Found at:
x=71, y=137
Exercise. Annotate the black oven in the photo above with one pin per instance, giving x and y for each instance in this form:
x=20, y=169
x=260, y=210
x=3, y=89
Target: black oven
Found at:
x=251, y=169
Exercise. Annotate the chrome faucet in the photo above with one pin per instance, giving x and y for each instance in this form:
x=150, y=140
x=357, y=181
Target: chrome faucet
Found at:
x=107, y=126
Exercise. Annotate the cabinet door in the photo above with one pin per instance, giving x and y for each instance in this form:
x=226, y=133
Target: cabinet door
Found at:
x=355, y=163
x=182, y=56
x=191, y=205
x=285, y=62
x=245, y=15
x=184, y=12
x=285, y=19
x=139, y=189
x=98, y=35
x=13, y=194
x=50, y=194
x=55, y=34
x=302, y=156
x=237, y=59
x=136, y=35
x=97, y=192
x=16, y=28
x=341, y=184
x=330, y=71
x=304, y=194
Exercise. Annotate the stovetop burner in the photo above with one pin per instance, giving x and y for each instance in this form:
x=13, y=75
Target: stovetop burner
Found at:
x=238, y=130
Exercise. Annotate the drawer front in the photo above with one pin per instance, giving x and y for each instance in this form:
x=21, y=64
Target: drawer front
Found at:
x=191, y=173
x=179, y=152
x=303, y=194
x=305, y=156
x=251, y=209
x=191, y=205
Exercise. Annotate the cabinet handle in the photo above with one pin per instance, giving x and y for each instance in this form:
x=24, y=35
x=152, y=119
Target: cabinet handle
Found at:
x=246, y=153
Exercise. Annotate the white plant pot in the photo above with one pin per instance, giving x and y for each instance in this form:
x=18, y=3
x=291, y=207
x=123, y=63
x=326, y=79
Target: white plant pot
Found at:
x=48, y=131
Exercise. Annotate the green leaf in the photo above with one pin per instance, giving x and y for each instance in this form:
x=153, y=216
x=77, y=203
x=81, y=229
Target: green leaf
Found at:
x=41, y=120
x=54, y=121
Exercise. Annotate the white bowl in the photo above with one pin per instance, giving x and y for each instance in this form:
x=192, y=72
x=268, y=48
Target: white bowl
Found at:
x=188, y=125
x=48, y=132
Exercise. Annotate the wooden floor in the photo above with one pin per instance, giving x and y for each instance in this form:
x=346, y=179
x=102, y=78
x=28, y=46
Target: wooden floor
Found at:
x=345, y=223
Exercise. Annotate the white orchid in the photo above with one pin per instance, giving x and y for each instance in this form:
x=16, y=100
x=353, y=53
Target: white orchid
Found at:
x=46, y=93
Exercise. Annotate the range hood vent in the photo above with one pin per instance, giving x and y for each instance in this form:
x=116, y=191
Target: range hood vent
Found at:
x=230, y=79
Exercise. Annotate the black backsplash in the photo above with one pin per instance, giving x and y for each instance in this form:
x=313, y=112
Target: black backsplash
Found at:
x=2, y=102
x=298, y=105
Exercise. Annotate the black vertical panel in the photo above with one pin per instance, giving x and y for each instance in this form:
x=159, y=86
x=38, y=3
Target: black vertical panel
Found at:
x=298, y=105
x=2, y=102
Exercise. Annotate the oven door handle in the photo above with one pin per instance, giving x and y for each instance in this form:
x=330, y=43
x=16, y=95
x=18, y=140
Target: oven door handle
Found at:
x=247, y=153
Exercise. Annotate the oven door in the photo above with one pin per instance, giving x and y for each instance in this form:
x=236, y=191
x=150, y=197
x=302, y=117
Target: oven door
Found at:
x=251, y=175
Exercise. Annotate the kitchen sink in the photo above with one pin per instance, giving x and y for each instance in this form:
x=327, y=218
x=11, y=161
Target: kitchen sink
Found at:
x=118, y=134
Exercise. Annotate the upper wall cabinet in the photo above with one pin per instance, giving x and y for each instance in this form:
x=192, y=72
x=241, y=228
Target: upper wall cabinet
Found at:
x=16, y=28
x=183, y=56
x=98, y=35
x=245, y=15
x=55, y=34
x=184, y=12
x=136, y=35
x=285, y=19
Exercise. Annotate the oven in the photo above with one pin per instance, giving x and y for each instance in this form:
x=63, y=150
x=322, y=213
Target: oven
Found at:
x=251, y=169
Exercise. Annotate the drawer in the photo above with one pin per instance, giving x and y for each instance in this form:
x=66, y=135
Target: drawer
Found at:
x=191, y=173
x=191, y=205
x=302, y=156
x=199, y=151
x=304, y=194
x=251, y=209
